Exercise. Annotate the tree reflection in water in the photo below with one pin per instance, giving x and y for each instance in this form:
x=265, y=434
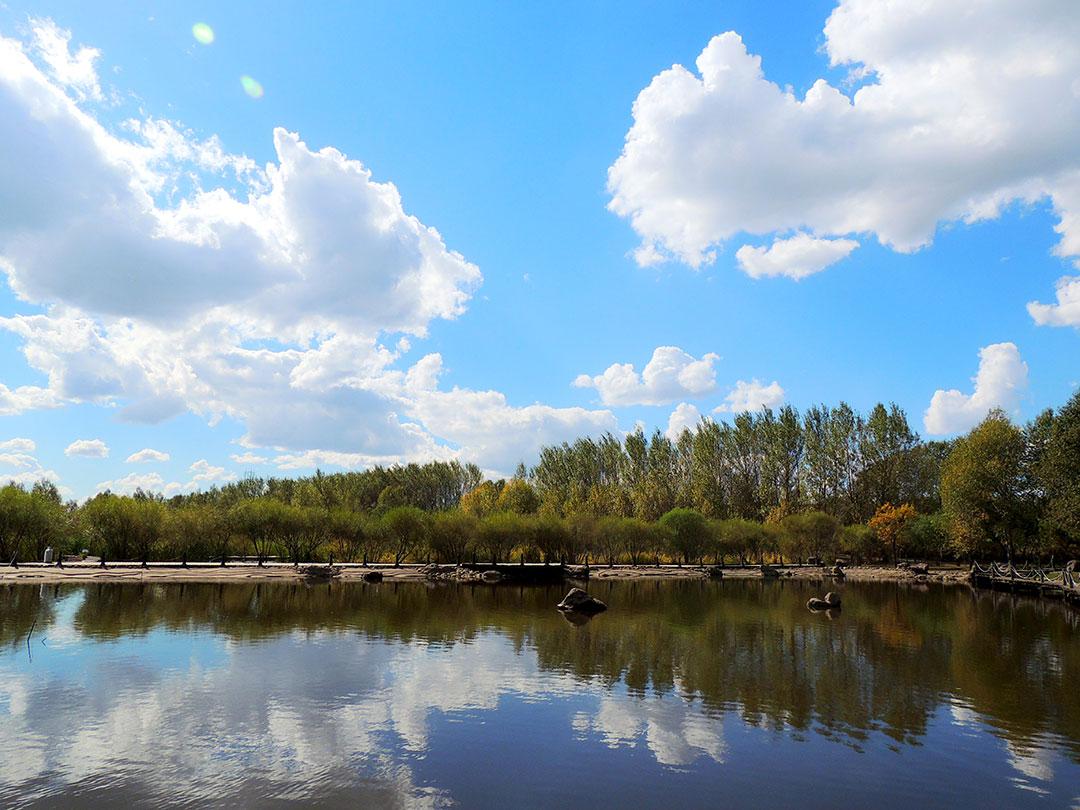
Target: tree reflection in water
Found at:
x=345, y=676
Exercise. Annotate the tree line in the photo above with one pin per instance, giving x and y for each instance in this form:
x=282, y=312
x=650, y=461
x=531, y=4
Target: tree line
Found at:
x=766, y=486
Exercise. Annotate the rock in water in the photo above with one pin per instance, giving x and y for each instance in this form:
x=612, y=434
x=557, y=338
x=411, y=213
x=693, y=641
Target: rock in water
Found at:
x=579, y=601
x=838, y=572
x=373, y=576
x=321, y=571
x=491, y=576
x=830, y=602
x=769, y=572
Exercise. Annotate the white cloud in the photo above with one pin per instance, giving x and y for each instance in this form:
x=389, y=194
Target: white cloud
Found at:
x=203, y=472
x=146, y=455
x=1066, y=312
x=127, y=484
x=73, y=70
x=1000, y=382
x=670, y=374
x=87, y=448
x=25, y=398
x=752, y=396
x=174, y=276
x=248, y=458
x=490, y=431
x=18, y=464
x=797, y=257
x=18, y=446
x=684, y=417
x=724, y=152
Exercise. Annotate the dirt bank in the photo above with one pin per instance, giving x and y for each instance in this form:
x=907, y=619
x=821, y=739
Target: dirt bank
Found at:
x=34, y=573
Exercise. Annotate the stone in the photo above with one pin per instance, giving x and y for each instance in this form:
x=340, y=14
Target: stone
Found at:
x=769, y=572
x=579, y=601
x=830, y=602
x=321, y=571
x=838, y=572
x=491, y=576
x=373, y=576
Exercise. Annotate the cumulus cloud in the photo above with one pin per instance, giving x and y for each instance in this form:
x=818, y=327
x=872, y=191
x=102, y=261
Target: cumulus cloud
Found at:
x=248, y=458
x=128, y=484
x=87, y=448
x=1066, y=312
x=493, y=433
x=18, y=446
x=684, y=417
x=173, y=276
x=147, y=454
x=724, y=152
x=1000, y=382
x=25, y=398
x=797, y=257
x=203, y=474
x=752, y=396
x=18, y=464
x=670, y=374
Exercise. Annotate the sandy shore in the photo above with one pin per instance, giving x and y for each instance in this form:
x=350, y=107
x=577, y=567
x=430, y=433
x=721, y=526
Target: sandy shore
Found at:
x=35, y=573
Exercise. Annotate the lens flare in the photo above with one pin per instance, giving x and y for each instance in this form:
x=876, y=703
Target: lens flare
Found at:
x=251, y=87
x=203, y=33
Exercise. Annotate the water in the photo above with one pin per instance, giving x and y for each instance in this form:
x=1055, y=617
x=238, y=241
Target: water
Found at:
x=694, y=694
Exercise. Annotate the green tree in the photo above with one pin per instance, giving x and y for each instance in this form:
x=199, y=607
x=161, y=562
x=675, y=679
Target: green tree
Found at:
x=518, y=497
x=453, y=536
x=688, y=532
x=405, y=529
x=982, y=490
x=858, y=542
x=1057, y=474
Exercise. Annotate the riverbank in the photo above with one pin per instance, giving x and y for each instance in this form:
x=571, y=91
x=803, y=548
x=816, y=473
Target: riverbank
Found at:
x=36, y=573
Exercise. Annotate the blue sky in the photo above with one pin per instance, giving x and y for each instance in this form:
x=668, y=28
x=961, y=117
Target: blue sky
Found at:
x=498, y=124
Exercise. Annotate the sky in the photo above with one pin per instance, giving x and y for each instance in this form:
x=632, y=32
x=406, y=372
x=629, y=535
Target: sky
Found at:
x=238, y=239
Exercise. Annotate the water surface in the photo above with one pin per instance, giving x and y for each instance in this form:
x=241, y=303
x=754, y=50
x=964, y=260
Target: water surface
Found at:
x=695, y=694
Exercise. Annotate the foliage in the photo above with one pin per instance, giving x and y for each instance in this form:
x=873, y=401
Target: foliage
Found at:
x=481, y=501
x=688, y=533
x=983, y=492
x=890, y=522
x=1057, y=475
x=405, y=529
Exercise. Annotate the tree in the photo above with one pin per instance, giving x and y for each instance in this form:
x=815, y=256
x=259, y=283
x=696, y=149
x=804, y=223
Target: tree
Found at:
x=549, y=535
x=636, y=537
x=982, y=490
x=518, y=497
x=345, y=532
x=453, y=535
x=501, y=533
x=858, y=541
x=300, y=531
x=741, y=538
x=259, y=521
x=688, y=532
x=811, y=533
x=889, y=523
x=481, y=501
x=1057, y=474
x=405, y=529
x=927, y=536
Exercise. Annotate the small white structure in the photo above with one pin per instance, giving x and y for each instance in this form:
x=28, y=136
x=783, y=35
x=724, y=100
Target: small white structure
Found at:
x=48, y=554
